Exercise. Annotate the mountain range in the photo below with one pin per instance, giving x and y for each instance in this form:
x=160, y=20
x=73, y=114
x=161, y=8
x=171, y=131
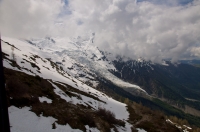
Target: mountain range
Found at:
x=58, y=76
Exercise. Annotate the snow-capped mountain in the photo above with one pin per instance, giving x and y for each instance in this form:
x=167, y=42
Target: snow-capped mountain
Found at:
x=77, y=62
x=83, y=59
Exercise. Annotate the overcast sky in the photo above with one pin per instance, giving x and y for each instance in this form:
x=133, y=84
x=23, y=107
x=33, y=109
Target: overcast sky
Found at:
x=152, y=29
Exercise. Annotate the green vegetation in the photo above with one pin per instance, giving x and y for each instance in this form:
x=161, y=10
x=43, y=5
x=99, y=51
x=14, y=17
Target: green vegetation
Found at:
x=170, y=110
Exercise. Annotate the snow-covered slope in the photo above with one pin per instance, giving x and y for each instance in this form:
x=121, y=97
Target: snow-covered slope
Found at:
x=79, y=57
x=30, y=60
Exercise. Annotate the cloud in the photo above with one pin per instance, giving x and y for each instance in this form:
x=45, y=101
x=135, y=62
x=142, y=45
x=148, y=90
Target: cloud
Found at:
x=168, y=2
x=28, y=17
x=153, y=30
x=195, y=52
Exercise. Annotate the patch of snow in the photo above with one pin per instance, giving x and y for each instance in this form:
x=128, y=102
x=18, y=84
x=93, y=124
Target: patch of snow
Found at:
x=141, y=130
x=187, y=127
x=23, y=120
x=126, y=129
x=164, y=63
x=184, y=128
x=179, y=127
x=168, y=120
x=42, y=99
x=88, y=129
